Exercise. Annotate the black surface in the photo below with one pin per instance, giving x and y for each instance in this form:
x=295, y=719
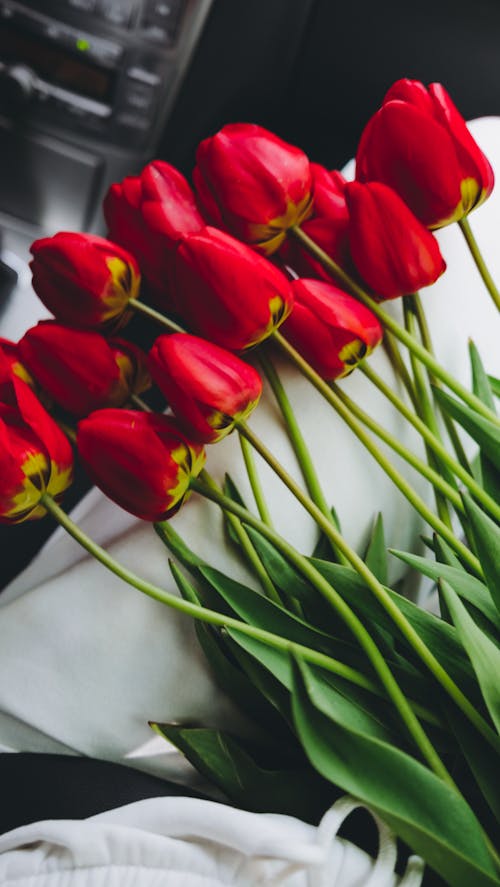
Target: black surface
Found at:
x=37, y=787
x=314, y=70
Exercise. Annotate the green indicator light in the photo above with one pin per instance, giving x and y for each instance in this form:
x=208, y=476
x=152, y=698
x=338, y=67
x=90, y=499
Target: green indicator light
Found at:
x=82, y=45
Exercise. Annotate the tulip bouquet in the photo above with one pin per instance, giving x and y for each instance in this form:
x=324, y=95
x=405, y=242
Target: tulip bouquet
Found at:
x=348, y=685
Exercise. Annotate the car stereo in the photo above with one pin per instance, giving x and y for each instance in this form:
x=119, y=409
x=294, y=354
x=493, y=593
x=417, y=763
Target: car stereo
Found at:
x=85, y=90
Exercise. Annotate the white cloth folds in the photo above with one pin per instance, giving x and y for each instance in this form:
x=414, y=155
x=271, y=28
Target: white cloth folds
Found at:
x=184, y=842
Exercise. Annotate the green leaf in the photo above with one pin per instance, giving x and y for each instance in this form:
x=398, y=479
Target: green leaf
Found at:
x=437, y=635
x=247, y=777
x=323, y=546
x=480, y=383
x=466, y=586
x=484, y=432
x=486, y=536
x=482, y=652
x=446, y=555
x=177, y=546
x=284, y=576
x=430, y=816
x=490, y=477
x=239, y=685
x=494, y=385
x=376, y=552
x=481, y=758
x=231, y=490
x=258, y=610
x=263, y=613
x=278, y=663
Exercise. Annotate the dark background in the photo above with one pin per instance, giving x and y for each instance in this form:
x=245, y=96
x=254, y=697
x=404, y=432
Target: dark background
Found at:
x=315, y=70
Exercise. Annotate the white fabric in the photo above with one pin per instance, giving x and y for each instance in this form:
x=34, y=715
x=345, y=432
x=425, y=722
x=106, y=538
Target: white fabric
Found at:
x=86, y=661
x=184, y=842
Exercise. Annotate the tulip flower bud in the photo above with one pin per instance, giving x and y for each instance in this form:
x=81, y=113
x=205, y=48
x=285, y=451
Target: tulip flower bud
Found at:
x=35, y=456
x=252, y=182
x=81, y=370
x=393, y=252
x=229, y=294
x=207, y=387
x=142, y=461
x=84, y=280
x=148, y=214
x=419, y=145
x=330, y=329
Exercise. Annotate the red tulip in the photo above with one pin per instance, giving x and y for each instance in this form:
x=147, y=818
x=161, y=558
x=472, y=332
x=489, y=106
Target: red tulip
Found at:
x=419, y=144
x=253, y=183
x=10, y=352
x=207, y=387
x=393, y=252
x=81, y=370
x=84, y=280
x=142, y=461
x=330, y=329
x=327, y=226
x=35, y=456
x=148, y=214
x=226, y=292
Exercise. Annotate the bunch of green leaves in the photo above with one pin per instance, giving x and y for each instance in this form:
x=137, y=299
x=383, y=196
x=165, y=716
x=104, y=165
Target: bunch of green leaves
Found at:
x=312, y=734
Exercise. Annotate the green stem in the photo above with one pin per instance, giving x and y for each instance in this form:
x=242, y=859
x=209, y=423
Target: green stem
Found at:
x=399, y=367
x=299, y=445
x=140, y=403
x=142, y=308
x=425, y=335
x=68, y=430
x=425, y=470
x=479, y=260
x=397, y=478
x=394, y=327
x=477, y=491
x=351, y=621
x=378, y=590
x=425, y=407
x=212, y=617
x=255, y=483
x=246, y=545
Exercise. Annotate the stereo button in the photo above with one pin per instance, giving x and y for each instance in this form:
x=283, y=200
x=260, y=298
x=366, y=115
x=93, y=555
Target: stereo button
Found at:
x=139, y=96
x=133, y=121
x=162, y=18
x=84, y=5
x=116, y=13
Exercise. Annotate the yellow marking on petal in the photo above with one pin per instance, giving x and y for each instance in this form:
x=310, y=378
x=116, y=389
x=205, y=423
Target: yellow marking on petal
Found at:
x=198, y=459
x=352, y=352
x=20, y=370
x=219, y=421
x=124, y=285
x=30, y=491
x=23, y=503
x=279, y=312
x=36, y=469
x=270, y=236
x=60, y=480
x=471, y=196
